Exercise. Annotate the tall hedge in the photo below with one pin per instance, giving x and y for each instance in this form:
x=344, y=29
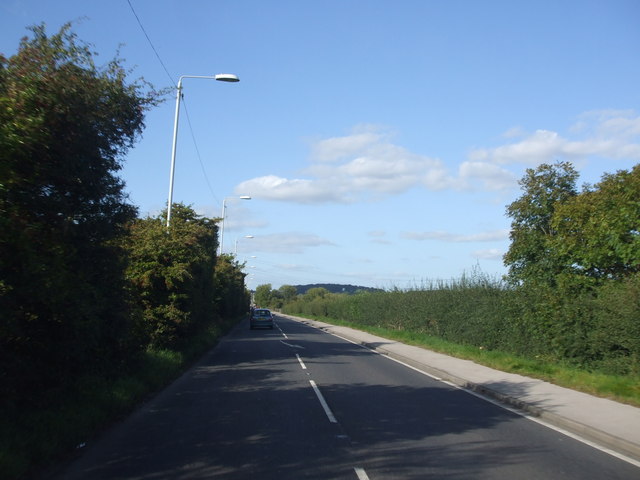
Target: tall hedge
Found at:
x=231, y=296
x=65, y=126
x=171, y=275
x=597, y=329
x=573, y=289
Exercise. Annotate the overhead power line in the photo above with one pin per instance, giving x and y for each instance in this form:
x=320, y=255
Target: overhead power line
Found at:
x=151, y=43
x=206, y=178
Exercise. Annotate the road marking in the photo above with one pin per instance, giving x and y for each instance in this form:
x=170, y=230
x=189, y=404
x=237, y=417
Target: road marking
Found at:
x=362, y=475
x=283, y=334
x=323, y=402
x=521, y=413
x=560, y=430
x=304, y=367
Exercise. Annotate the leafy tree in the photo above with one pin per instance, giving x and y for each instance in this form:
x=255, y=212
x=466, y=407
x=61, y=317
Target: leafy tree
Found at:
x=263, y=295
x=530, y=256
x=65, y=125
x=316, y=292
x=288, y=293
x=267, y=297
x=598, y=231
x=171, y=274
x=616, y=333
x=276, y=299
x=232, y=297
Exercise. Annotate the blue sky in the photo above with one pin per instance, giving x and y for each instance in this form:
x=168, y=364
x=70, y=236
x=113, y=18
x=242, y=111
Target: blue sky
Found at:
x=380, y=140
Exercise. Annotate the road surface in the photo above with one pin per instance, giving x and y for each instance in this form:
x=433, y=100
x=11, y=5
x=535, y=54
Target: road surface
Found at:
x=297, y=403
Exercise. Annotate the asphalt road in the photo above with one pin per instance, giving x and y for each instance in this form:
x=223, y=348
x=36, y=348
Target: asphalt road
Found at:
x=297, y=403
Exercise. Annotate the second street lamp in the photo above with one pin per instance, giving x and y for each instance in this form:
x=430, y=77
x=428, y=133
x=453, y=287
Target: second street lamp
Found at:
x=221, y=77
x=235, y=251
x=224, y=214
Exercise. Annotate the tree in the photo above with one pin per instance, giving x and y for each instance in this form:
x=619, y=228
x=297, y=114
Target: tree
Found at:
x=288, y=293
x=530, y=256
x=316, y=292
x=265, y=296
x=262, y=297
x=232, y=297
x=171, y=274
x=65, y=125
x=598, y=231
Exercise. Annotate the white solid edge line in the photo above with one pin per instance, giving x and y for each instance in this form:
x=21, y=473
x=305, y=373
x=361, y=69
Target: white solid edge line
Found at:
x=323, y=402
x=362, y=475
x=613, y=453
x=575, y=436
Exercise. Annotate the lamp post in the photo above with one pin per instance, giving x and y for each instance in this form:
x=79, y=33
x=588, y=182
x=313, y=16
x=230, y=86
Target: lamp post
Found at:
x=235, y=251
x=221, y=77
x=224, y=210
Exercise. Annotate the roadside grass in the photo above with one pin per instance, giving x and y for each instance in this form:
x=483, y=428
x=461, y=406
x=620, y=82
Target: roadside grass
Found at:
x=52, y=428
x=624, y=389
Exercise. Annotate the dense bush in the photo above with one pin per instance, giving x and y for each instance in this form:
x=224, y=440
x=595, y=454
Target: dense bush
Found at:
x=65, y=126
x=171, y=275
x=88, y=293
x=84, y=285
x=573, y=290
x=231, y=296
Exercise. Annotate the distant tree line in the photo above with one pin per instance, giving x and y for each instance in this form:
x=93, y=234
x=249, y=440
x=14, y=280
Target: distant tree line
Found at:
x=267, y=297
x=334, y=288
x=572, y=292
x=86, y=285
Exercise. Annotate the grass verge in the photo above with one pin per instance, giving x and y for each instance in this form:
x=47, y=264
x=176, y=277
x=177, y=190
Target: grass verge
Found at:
x=34, y=437
x=624, y=389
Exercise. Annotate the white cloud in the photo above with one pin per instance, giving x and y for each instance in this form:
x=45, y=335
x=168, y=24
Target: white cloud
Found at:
x=491, y=236
x=359, y=166
x=378, y=237
x=334, y=149
x=294, y=267
x=611, y=134
x=608, y=123
x=272, y=187
x=491, y=176
x=540, y=147
x=489, y=254
x=286, y=243
x=366, y=165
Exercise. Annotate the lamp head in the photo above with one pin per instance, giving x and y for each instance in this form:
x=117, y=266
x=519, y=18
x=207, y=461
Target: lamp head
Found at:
x=227, y=77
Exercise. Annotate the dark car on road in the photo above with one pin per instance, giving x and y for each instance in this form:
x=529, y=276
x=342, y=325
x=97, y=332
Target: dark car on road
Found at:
x=261, y=317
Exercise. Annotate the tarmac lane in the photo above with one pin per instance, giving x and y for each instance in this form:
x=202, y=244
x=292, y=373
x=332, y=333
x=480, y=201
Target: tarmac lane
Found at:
x=297, y=402
x=403, y=423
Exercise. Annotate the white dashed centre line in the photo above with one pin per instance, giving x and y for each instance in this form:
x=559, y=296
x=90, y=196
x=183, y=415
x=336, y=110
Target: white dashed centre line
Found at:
x=304, y=367
x=323, y=402
x=362, y=475
x=283, y=334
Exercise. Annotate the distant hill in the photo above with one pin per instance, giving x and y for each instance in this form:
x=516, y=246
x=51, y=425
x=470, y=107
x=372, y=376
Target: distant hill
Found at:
x=334, y=288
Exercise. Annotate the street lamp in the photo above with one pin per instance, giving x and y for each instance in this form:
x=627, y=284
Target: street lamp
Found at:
x=221, y=77
x=235, y=251
x=224, y=210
